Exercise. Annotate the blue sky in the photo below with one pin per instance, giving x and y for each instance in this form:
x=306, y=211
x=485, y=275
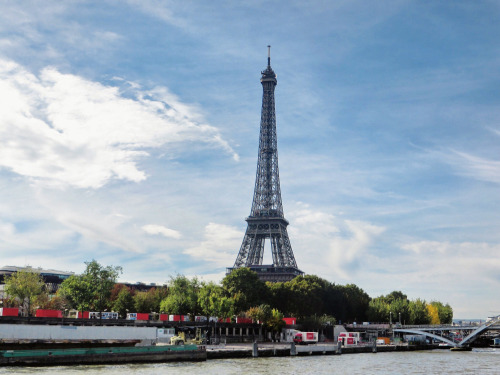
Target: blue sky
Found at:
x=129, y=135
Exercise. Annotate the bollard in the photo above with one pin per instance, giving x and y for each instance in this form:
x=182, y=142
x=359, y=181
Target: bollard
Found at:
x=374, y=348
x=293, y=349
x=255, y=350
x=339, y=347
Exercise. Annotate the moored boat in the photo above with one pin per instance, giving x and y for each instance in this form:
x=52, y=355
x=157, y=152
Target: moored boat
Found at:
x=76, y=356
x=461, y=349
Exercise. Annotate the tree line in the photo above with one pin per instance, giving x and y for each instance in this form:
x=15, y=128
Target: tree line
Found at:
x=312, y=300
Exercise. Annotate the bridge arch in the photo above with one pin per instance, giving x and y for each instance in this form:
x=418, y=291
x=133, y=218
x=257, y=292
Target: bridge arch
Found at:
x=425, y=333
x=484, y=327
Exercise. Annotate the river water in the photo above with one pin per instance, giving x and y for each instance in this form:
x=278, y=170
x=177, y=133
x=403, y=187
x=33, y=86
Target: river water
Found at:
x=478, y=361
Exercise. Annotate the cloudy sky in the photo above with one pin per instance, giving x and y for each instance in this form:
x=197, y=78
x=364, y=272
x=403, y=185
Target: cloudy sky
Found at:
x=129, y=135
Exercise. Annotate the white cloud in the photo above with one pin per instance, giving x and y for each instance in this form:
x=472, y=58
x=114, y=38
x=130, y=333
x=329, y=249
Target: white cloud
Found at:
x=160, y=229
x=423, y=247
x=349, y=248
x=470, y=164
x=341, y=244
x=494, y=131
x=207, y=277
x=465, y=256
x=157, y=8
x=13, y=241
x=316, y=222
x=61, y=129
x=221, y=244
x=99, y=228
x=476, y=167
x=453, y=272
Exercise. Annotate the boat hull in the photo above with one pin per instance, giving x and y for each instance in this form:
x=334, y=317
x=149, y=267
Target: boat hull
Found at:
x=80, y=356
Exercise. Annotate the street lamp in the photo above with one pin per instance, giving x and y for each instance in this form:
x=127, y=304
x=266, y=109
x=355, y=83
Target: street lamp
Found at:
x=399, y=318
x=390, y=317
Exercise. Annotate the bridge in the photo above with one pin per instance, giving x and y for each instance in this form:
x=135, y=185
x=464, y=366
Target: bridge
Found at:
x=430, y=331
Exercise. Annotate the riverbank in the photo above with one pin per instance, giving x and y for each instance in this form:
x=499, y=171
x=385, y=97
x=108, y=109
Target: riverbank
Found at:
x=478, y=361
x=70, y=355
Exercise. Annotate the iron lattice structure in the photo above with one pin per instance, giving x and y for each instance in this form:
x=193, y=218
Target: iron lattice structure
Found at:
x=266, y=220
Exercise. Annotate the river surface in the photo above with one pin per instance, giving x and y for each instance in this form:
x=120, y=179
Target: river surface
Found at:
x=478, y=361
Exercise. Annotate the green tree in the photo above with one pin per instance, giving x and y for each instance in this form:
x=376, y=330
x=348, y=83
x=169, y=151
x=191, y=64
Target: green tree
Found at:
x=51, y=302
x=275, y=323
x=210, y=300
x=92, y=289
x=124, y=302
x=378, y=310
x=260, y=313
x=76, y=291
x=117, y=288
x=445, y=312
x=357, y=302
x=225, y=307
x=245, y=288
x=101, y=281
x=150, y=301
x=328, y=320
x=400, y=310
x=317, y=322
x=158, y=295
x=308, y=295
x=280, y=297
x=394, y=296
x=418, y=312
x=26, y=286
x=182, y=297
x=337, y=303
x=143, y=302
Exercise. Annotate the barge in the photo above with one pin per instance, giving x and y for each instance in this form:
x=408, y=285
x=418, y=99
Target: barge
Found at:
x=102, y=355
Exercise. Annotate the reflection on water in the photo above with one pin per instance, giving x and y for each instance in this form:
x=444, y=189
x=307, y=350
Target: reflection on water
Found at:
x=478, y=361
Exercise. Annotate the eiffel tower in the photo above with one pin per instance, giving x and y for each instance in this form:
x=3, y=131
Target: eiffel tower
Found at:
x=266, y=220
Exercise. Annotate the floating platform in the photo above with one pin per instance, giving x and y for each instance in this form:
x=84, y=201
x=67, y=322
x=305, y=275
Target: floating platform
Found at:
x=81, y=356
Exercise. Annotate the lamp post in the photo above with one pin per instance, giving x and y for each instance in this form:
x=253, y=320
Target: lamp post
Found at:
x=399, y=318
x=215, y=331
x=390, y=326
